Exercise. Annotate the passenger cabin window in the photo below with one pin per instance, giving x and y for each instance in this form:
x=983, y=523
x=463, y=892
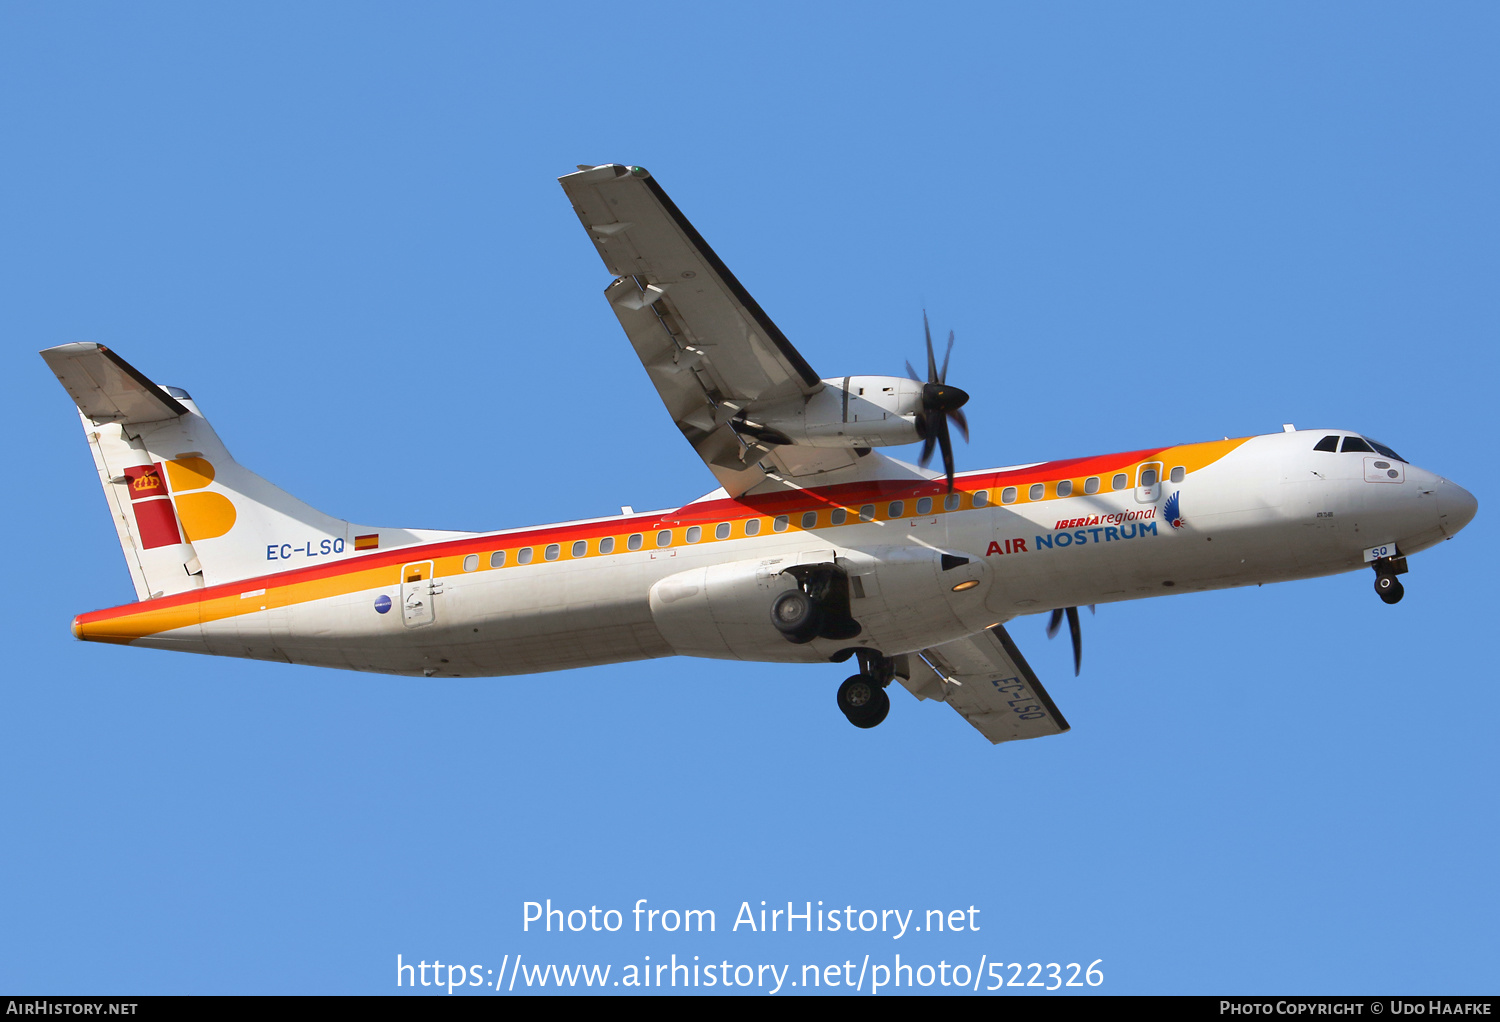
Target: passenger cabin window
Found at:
x=809, y=519
x=694, y=534
x=1354, y=443
x=580, y=547
x=721, y=531
x=1328, y=443
x=981, y=498
x=471, y=563
x=1091, y=484
x=867, y=513
x=1120, y=481
x=634, y=542
x=896, y=510
x=497, y=559
x=1179, y=474
x=553, y=551
x=781, y=522
x=607, y=545
x=1037, y=489
x=924, y=506
x=950, y=502
x=664, y=537
x=839, y=516
x=523, y=555
x=1065, y=488
x=1008, y=495
x=1148, y=477
x=752, y=527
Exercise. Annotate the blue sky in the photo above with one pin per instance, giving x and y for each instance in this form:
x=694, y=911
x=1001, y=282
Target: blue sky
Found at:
x=339, y=227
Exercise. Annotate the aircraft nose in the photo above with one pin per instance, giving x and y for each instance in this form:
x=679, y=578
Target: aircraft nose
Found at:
x=1456, y=506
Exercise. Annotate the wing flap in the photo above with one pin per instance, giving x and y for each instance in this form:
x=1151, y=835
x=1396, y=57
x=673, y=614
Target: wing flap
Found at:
x=988, y=682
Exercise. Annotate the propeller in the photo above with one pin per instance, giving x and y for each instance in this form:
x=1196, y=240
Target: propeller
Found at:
x=940, y=403
x=1074, y=630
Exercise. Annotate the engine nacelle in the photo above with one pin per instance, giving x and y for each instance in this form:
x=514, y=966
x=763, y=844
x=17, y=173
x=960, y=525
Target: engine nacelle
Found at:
x=723, y=611
x=902, y=598
x=850, y=411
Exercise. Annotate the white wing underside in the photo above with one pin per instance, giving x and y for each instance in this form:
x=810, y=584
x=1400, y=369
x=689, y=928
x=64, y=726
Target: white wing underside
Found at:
x=710, y=350
x=985, y=678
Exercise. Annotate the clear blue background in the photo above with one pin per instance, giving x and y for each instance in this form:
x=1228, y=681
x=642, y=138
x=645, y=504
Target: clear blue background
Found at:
x=338, y=226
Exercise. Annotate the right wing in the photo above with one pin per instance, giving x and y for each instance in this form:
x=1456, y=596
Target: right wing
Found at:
x=985, y=678
x=712, y=352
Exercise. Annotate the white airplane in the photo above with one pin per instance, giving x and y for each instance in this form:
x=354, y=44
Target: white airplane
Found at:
x=814, y=548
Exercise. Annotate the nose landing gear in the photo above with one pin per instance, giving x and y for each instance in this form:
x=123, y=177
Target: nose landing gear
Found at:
x=1387, y=586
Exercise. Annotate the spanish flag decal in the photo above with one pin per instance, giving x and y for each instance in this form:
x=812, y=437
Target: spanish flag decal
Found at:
x=155, y=521
x=369, y=542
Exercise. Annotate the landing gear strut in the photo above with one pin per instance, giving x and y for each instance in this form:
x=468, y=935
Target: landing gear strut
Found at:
x=862, y=697
x=1387, y=586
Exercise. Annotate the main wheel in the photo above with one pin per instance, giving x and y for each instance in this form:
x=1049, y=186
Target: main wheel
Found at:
x=1389, y=587
x=863, y=701
x=796, y=615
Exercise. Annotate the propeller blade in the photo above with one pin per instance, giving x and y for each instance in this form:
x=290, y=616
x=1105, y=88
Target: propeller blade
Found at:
x=927, y=444
x=943, y=376
x=957, y=418
x=1077, y=633
x=932, y=376
x=947, y=445
x=1054, y=623
x=912, y=372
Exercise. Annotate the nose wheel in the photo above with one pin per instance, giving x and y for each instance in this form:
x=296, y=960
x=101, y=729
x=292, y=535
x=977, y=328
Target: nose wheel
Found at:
x=1387, y=586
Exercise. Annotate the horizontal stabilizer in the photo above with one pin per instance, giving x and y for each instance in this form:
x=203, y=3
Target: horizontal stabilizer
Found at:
x=107, y=388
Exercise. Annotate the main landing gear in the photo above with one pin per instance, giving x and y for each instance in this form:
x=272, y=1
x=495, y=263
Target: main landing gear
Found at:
x=862, y=697
x=817, y=608
x=1387, y=586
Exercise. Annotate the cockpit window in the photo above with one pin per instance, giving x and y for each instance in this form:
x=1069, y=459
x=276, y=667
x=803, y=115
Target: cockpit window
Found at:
x=1381, y=448
x=1354, y=443
x=1328, y=443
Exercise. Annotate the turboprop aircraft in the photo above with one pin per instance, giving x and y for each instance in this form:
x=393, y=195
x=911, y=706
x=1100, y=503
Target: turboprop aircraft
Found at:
x=814, y=548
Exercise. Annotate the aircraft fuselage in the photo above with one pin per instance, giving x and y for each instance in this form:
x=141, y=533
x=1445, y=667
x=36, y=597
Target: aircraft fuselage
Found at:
x=921, y=565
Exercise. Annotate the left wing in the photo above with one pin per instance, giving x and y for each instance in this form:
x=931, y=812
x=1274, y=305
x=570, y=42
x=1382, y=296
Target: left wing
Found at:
x=985, y=678
x=712, y=352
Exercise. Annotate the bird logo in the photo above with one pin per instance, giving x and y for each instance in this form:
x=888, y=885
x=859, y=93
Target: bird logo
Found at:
x=1173, y=510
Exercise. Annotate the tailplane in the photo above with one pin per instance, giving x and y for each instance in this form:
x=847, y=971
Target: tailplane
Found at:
x=187, y=514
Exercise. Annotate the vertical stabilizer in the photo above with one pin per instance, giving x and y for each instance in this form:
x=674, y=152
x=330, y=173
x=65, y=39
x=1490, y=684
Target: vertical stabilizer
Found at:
x=187, y=514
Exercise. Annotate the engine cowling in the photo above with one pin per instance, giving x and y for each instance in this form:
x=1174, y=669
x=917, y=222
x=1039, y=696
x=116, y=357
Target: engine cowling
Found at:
x=850, y=411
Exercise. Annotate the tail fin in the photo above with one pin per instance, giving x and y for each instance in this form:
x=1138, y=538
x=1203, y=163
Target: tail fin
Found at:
x=188, y=515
